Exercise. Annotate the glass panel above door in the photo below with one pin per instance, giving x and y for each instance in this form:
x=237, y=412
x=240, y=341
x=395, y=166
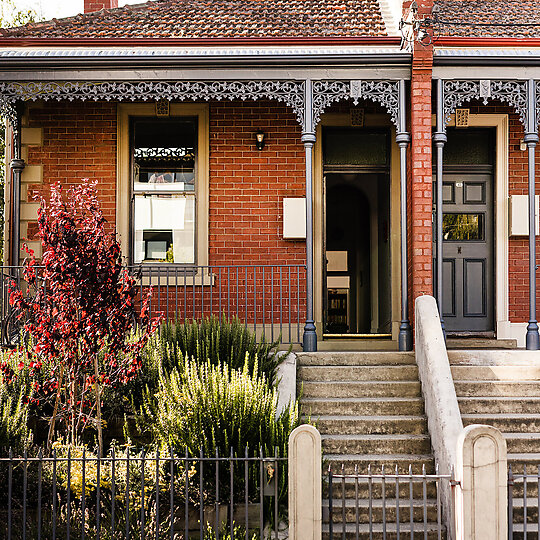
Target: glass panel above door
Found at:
x=353, y=146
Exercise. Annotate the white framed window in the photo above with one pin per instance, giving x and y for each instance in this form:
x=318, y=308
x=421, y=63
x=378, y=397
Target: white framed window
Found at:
x=162, y=195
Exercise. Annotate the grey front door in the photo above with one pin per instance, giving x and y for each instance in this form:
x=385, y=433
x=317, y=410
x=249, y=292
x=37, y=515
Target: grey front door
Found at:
x=468, y=256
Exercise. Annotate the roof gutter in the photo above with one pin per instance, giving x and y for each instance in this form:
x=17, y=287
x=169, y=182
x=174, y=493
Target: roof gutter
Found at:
x=380, y=41
x=141, y=62
x=481, y=51
x=492, y=42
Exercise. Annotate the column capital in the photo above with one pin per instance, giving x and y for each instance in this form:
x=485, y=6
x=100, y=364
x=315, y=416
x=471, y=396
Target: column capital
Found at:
x=439, y=137
x=531, y=138
x=17, y=164
x=308, y=137
x=403, y=138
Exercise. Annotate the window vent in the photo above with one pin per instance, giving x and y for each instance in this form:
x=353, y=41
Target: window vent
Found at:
x=162, y=107
x=462, y=118
x=357, y=117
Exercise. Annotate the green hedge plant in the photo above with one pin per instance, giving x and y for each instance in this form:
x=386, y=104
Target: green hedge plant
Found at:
x=215, y=408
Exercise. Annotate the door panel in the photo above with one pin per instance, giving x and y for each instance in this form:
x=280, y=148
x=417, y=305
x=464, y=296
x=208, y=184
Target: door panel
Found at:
x=468, y=263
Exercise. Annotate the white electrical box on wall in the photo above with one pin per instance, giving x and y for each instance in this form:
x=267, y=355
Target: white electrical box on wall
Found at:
x=294, y=218
x=519, y=215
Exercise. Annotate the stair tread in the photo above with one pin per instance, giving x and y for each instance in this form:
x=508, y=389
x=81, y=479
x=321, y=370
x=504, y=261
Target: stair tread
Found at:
x=497, y=381
x=529, y=456
x=378, y=503
x=369, y=437
x=528, y=416
x=375, y=457
x=378, y=527
x=371, y=417
x=499, y=398
x=360, y=399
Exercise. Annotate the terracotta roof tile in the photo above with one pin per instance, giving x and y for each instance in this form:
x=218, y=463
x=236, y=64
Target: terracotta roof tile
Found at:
x=218, y=18
x=519, y=13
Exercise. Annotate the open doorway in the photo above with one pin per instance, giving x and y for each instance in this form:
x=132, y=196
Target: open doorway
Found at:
x=357, y=269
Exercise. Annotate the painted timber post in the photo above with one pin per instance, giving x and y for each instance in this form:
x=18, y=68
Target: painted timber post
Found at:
x=532, y=339
x=308, y=138
x=16, y=165
x=440, y=138
x=403, y=139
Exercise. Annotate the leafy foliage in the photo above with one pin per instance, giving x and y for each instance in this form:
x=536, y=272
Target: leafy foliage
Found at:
x=225, y=341
x=215, y=408
x=11, y=15
x=14, y=431
x=83, y=310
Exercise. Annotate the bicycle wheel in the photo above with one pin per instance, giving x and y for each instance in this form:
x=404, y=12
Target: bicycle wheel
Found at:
x=13, y=332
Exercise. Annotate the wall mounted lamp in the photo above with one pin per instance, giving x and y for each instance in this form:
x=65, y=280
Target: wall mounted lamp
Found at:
x=259, y=139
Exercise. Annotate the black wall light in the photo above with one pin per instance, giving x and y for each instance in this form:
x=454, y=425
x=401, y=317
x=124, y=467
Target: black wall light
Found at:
x=259, y=139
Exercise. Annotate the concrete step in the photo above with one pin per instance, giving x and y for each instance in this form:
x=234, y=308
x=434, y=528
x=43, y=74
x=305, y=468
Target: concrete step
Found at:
x=358, y=373
x=333, y=345
x=376, y=444
x=508, y=423
x=356, y=358
x=363, y=487
x=521, y=443
x=360, y=510
x=361, y=389
x=494, y=358
x=519, y=532
x=470, y=388
x=496, y=373
x=478, y=405
x=468, y=343
x=532, y=511
x=365, y=425
x=363, y=406
x=359, y=463
x=530, y=459
x=375, y=531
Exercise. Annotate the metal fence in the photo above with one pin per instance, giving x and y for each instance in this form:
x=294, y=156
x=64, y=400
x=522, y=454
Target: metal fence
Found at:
x=384, y=505
x=268, y=299
x=80, y=496
x=523, y=502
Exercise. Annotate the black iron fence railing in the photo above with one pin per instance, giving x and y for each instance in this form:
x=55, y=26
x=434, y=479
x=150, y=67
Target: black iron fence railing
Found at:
x=269, y=299
x=73, y=494
x=523, y=501
x=383, y=504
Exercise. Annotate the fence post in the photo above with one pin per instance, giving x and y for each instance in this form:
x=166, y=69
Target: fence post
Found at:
x=481, y=498
x=305, y=478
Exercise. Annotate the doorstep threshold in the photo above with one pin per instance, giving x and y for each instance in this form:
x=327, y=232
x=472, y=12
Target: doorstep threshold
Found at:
x=357, y=336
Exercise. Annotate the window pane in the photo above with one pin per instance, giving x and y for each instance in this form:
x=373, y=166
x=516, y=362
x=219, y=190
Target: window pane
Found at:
x=349, y=146
x=469, y=146
x=463, y=227
x=165, y=228
x=164, y=155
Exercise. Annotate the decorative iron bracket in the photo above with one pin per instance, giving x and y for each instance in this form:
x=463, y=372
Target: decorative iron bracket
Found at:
x=383, y=92
x=457, y=92
x=290, y=92
x=537, y=83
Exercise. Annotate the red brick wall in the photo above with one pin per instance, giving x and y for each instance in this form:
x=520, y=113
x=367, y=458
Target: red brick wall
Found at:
x=420, y=170
x=79, y=141
x=247, y=186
